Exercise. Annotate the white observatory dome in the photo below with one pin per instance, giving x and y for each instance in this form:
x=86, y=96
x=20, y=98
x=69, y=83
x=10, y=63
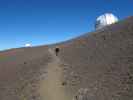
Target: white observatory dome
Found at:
x=28, y=45
x=104, y=20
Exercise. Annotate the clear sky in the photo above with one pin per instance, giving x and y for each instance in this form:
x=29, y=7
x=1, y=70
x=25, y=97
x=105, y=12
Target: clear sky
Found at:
x=41, y=22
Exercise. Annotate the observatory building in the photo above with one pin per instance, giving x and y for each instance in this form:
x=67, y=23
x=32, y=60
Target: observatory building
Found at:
x=105, y=20
x=28, y=45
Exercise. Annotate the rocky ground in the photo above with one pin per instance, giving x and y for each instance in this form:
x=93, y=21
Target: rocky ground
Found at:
x=95, y=66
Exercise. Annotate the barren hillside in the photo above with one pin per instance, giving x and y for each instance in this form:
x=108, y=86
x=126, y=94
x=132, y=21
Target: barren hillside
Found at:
x=95, y=66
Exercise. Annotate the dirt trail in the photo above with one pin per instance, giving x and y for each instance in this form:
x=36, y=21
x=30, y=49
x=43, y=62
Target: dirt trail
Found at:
x=51, y=87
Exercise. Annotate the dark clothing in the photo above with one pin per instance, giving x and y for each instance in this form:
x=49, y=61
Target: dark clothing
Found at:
x=57, y=51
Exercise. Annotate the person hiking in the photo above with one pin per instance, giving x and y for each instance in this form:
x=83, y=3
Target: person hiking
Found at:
x=57, y=51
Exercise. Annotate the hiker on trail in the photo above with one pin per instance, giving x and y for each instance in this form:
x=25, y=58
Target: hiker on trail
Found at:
x=57, y=51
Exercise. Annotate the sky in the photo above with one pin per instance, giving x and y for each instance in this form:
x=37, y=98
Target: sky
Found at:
x=42, y=22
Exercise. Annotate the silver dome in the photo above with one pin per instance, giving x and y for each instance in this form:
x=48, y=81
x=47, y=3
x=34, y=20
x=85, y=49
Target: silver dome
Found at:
x=104, y=20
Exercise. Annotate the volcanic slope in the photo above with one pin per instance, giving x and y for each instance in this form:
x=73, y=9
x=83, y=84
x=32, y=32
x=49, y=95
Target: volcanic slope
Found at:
x=95, y=66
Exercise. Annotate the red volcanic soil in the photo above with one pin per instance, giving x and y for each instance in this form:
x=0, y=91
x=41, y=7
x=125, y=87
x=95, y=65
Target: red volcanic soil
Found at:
x=94, y=66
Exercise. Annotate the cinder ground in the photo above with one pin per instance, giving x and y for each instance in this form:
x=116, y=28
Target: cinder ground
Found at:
x=95, y=66
x=51, y=87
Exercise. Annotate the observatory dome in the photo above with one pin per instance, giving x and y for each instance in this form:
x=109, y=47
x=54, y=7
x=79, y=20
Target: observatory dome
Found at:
x=28, y=45
x=105, y=20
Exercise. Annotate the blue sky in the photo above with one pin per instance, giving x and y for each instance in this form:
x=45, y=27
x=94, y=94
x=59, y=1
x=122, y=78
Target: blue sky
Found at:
x=42, y=22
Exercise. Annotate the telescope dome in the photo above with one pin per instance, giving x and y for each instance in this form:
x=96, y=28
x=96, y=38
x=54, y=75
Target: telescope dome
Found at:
x=105, y=20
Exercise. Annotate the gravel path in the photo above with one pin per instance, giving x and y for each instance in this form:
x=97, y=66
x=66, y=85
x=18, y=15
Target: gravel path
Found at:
x=51, y=87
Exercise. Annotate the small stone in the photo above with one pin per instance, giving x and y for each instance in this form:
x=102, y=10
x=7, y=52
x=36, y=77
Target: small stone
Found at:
x=64, y=83
x=25, y=63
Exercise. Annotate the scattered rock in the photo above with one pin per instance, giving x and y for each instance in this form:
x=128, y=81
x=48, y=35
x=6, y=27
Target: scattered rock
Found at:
x=25, y=63
x=64, y=83
x=83, y=94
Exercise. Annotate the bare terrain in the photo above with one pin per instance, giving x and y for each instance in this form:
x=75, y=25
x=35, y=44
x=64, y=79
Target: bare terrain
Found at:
x=94, y=66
